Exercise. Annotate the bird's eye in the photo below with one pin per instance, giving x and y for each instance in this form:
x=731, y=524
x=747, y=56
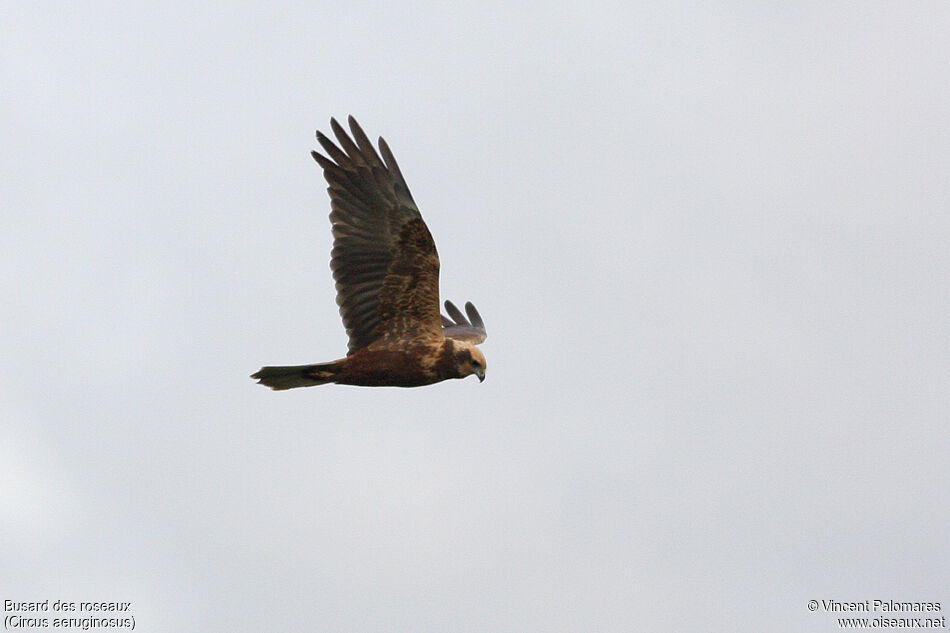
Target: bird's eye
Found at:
x=476, y=364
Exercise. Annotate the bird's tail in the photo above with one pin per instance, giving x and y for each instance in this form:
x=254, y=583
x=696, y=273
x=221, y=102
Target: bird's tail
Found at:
x=279, y=378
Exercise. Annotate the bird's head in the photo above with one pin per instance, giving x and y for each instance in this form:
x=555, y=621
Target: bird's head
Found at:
x=469, y=360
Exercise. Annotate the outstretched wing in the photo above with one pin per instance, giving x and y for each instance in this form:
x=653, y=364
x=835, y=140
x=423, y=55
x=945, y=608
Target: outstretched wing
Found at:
x=384, y=260
x=456, y=326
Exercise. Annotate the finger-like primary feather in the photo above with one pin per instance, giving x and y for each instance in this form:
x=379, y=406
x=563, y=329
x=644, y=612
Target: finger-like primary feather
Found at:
x=470, y=330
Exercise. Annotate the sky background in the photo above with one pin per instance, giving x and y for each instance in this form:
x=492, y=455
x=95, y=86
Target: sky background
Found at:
x=709, y=241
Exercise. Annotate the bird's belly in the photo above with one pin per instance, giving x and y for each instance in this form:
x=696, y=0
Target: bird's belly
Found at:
x=386, y=369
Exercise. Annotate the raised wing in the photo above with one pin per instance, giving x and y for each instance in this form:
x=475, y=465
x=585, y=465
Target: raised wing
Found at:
x=456, y=326
x=384, y=260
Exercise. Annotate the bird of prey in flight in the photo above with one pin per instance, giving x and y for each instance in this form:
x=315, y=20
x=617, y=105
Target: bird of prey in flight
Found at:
x=387, y=281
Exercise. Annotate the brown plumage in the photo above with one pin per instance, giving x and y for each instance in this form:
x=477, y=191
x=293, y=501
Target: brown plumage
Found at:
x=386, y=269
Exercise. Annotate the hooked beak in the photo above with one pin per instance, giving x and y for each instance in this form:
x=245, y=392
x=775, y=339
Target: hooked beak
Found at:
x=481, y=374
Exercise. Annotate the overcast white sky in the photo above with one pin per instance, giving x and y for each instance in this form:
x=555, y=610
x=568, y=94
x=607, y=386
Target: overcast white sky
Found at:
x=709, y=242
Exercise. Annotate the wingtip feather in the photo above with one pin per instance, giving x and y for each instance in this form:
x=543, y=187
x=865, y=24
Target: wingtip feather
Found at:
x=473, y=315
